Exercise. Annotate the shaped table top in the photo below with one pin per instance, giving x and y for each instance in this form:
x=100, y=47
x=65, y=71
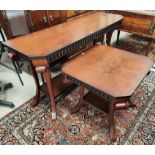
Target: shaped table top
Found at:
x=110, y=70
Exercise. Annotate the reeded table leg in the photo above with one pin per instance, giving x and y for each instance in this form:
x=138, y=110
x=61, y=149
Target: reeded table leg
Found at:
x=78, y=106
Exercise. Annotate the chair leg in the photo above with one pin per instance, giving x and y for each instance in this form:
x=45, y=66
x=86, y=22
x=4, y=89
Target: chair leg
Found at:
x=118, y=34
x=111, y=121
x=80, y=103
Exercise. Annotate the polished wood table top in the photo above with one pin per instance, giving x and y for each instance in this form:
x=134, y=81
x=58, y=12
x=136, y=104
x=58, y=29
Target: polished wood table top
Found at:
x=45, y=42
x=110, y=70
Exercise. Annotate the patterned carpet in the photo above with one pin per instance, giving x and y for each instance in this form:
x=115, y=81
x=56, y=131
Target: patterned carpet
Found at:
x=27, y=125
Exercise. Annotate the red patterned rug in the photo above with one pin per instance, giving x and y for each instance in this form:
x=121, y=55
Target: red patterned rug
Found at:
x=90, y=125
x=27, y=125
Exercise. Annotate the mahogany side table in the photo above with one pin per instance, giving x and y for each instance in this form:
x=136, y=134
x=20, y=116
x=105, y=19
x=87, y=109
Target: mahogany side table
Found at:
x=110, y=73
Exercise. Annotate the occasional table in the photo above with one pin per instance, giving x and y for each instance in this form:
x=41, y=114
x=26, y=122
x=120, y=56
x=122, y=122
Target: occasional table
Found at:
x=110, y=73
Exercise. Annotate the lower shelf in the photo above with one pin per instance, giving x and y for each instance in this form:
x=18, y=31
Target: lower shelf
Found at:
x=61, y=86
x=97, y=101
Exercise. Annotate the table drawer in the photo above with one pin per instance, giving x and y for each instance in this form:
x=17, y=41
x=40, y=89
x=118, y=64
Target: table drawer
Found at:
x=139, y=25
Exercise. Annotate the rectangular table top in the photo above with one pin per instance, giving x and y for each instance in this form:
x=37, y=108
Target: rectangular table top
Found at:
x=113, y=71
x=44, y=42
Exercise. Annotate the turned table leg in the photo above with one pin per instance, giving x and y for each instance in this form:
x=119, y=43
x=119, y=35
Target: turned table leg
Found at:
x=78, y=106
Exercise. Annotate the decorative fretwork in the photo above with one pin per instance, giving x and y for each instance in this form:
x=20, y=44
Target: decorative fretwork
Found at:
x=91, y=88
